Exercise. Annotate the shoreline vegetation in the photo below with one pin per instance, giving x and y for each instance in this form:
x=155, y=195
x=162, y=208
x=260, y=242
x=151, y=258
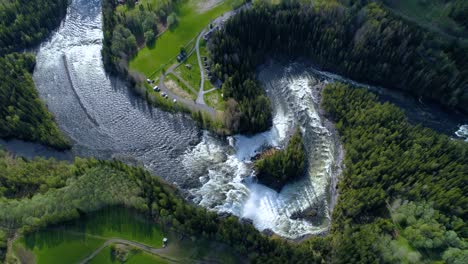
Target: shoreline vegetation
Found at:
x=87, y=185
x=363, y=42
x=23, y=115
x=128, y=54
x=349, y=49
x=398, y=180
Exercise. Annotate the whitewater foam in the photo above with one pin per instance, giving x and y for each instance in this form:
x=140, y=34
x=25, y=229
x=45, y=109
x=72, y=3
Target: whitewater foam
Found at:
x=462, y=132
x=227, y=184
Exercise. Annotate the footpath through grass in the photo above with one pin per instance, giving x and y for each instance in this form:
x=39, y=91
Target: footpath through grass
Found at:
x=190, y=74
x=167, y=46
x=134, y=257
x=73, y=241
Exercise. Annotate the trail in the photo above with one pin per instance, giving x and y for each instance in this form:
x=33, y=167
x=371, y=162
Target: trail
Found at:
x=149, y=249
x=201, y=94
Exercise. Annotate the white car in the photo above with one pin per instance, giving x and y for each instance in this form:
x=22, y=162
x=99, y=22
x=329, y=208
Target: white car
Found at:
x=174, y=101
x=148, y=80
x=156, y=89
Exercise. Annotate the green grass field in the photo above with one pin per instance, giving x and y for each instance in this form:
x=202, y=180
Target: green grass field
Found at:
x=167, y=46
x=73, y=241
x=139, y=257
x=58, y=246
x=181, y=85
x=215, y=100
x=430, y=14
x=191, y=75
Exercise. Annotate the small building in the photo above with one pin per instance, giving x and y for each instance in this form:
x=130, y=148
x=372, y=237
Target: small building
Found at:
x=189, y=66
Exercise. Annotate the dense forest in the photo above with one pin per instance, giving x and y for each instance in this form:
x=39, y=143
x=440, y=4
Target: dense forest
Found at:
x=58, y=191
x=367, y=44
x=24, y=23
x=22, y=114
x=403, y=196
x=456, y=9
x=282, y=166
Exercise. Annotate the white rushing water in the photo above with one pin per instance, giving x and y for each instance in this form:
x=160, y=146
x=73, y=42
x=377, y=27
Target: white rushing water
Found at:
x=105, y=120
x=227, y=185
x=462, y=132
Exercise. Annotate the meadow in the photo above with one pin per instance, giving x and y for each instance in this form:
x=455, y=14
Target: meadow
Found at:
x=135, y=257
x=433, y=15
x=192, y=73
x=150, y=60
x=73, y=241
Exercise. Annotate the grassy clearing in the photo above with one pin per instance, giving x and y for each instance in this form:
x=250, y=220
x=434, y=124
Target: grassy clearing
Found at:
x=155, y=4
x=167, y=46
x=135, y=257
x=73, y=241
x=145, y=258
x=177, y=87
x=431, y=14
x=192, y=74
x=215, y=100
x=57, y=246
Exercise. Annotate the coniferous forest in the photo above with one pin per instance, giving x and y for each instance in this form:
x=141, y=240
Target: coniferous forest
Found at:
x=368, y=44
x=23, y=115
x=403, y=192
x=282, y=166
x=402, y=184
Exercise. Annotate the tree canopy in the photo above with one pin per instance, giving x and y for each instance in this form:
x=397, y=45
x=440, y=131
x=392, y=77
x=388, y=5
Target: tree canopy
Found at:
x=283, y=165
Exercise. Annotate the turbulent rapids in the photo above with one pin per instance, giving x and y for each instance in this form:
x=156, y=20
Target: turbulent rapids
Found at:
x=105, y=120
x=226, y=174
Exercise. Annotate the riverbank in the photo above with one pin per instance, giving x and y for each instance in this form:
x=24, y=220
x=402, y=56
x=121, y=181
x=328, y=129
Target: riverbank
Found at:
x=338, y=166
x=142, y=67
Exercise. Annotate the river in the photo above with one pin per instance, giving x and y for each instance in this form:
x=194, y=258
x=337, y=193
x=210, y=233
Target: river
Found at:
x=106, y=120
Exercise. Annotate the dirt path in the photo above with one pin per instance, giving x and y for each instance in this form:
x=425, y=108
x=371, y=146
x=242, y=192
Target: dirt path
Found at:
x=199, y=104
x=201, y=94
x=184, y=82
x=152, y=250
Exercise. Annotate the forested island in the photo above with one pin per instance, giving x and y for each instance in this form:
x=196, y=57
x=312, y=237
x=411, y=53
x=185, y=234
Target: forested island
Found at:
x=23, y=115
x=281, y=166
